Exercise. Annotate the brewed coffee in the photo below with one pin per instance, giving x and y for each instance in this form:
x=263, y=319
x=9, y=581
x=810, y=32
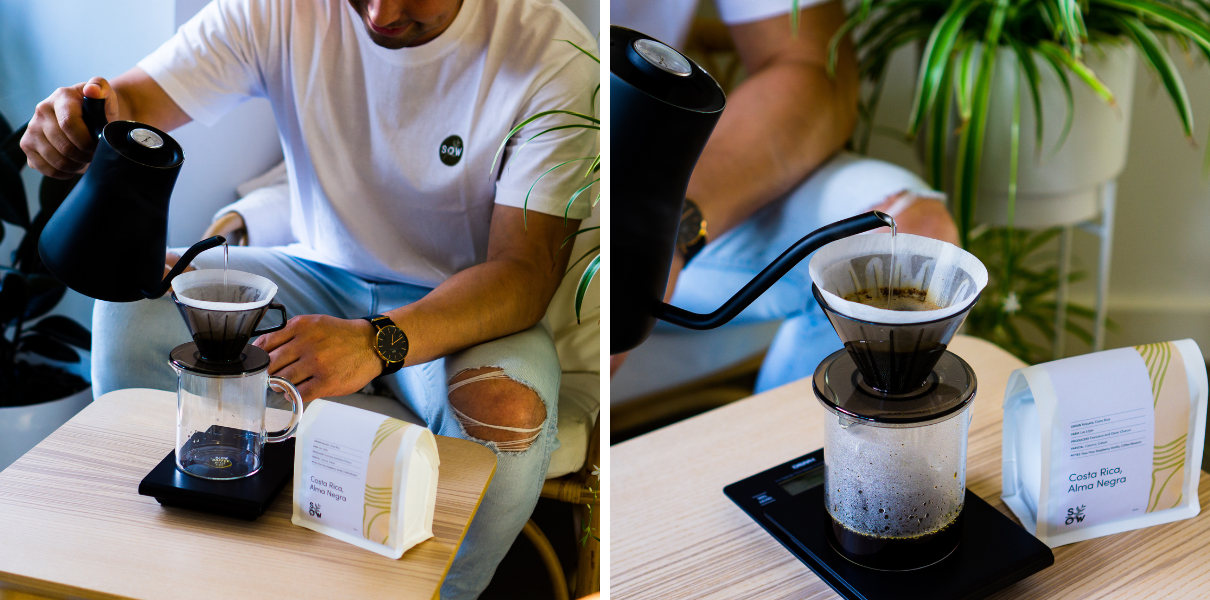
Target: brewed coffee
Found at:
x=900, y=299
x=896, y=553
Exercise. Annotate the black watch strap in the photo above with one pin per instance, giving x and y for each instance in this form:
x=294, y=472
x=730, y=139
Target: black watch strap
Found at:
x=381, y=322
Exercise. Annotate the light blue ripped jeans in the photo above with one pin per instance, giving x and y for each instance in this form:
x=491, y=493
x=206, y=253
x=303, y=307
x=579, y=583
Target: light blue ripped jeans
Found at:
x=131, y=342
x=844, y=186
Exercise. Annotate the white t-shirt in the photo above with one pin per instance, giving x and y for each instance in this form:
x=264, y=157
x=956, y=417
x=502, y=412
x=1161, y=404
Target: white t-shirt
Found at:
x=390, y=151
x=669, y=20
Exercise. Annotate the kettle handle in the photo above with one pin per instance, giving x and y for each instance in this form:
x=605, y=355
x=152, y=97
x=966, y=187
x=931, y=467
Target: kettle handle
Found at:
x=778, y=268
x=94, y=115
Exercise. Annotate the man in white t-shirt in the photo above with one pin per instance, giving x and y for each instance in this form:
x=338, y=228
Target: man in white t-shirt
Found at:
x=410, y=243
x=771, y=172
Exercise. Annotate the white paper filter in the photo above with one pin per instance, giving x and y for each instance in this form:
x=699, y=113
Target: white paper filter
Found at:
x=950, y=276
x=242, y=290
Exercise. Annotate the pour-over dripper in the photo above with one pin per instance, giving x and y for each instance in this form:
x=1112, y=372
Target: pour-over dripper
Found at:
x=895, y=350
x=894, y=358
x=222, y=308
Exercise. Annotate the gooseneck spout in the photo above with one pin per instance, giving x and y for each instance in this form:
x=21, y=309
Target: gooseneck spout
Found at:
x=183, y=263
x=775, y=271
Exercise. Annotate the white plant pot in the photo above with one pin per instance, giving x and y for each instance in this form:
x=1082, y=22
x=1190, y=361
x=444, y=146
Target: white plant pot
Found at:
x=1058, y=189
x=22, y=427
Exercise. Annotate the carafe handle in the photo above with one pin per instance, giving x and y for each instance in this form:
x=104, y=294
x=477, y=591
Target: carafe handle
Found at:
x=296, y=407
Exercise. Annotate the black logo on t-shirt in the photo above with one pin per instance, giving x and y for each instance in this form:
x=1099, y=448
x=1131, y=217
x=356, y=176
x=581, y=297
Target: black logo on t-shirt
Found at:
x=451, y=150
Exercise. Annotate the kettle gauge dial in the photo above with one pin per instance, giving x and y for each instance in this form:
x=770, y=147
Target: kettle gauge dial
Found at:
x=663, y=56
x=146, y=138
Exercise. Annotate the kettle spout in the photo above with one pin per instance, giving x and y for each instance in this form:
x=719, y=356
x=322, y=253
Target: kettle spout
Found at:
x=183, y=263
x=775, y=271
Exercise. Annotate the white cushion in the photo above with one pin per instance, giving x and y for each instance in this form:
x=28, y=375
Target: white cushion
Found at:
x=579, y=405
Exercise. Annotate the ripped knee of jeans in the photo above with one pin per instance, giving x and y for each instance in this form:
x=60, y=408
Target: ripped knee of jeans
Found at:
x=493, y=407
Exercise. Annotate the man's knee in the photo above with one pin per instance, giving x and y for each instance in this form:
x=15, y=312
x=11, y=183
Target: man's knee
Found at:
x=495, y=408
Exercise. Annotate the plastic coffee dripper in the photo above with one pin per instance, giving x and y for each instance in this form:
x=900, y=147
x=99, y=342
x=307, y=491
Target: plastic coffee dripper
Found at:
x=895, y=350
x=222, y=315
x=895, y=444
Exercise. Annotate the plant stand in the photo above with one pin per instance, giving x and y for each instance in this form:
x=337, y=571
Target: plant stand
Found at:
x=1103, y=229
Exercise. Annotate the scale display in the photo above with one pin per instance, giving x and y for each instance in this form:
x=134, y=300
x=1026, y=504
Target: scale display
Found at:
x=788, y=502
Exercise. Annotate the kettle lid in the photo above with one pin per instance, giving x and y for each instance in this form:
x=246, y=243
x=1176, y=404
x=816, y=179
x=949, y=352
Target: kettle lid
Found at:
x=143, y=144
x=658, y=70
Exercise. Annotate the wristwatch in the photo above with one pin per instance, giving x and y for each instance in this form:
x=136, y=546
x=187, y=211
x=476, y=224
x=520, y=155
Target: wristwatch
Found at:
x=391, y=343
x=691, y=235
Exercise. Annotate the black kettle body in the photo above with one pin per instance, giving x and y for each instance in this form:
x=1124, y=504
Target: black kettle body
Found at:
x=108, y=238
x=663, y=108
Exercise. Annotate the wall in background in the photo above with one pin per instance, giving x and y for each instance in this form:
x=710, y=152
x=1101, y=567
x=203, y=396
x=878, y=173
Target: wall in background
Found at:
x=1160, y=279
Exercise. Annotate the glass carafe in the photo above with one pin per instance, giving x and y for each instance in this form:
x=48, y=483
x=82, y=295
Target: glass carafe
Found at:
x=221, y=409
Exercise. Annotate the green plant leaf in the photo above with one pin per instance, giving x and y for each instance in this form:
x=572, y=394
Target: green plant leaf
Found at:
x=586, y=53
x=963, y=83
x=531, y=119
x=938, y=133
x=577, y=195
x=1166, y=15
x=936, y=60
x=1069, y=11
x=837, y=38
x=525, y=205
x=1157, y=58
x=572, y=236
x=558, y=128
x=1025, y=59
x=585, y=281
x=970, y=142
x=1065, y=83
x=582, y=257
x=1081, y=70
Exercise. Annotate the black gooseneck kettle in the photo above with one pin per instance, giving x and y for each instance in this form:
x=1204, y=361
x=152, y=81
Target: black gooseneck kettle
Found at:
x=108, y=238
x=663, y=107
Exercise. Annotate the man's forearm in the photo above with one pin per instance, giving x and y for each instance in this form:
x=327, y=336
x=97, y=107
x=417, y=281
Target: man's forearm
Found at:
x=482, y=303
x=781, y=123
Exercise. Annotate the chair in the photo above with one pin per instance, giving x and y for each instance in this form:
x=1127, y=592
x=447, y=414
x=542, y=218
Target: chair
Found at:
x=572, y=475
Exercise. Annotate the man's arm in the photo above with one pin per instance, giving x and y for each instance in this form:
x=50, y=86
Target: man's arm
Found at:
x=781, y=123
x=510, y=292
x=57, y=142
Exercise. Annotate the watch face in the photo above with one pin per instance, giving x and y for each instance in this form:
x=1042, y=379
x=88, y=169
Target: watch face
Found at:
x=392, y=344
x=690, y=227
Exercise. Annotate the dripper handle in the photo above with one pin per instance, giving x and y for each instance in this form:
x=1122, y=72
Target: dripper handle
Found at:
x=296, y=408
x=94, y=116
x=278, y=327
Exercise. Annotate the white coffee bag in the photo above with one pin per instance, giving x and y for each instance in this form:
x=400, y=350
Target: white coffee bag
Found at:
x=1106, y=442
x=364, y=478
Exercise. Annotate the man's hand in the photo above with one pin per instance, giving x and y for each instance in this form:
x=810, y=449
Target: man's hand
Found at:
x=925, y=216
x=57, y=143
x=322, y=355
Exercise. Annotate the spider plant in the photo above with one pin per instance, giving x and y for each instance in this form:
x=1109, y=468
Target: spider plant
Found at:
x=590, y=121
x=1041, y=34
x=1013, y=305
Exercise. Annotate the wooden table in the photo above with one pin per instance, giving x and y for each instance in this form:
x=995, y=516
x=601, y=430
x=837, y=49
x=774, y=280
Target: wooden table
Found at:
x=72, y=523
x=673, y=534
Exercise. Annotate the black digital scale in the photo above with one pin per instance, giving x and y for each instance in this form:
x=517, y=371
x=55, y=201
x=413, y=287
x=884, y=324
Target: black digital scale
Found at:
x=788, y=502
x=245, y=498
